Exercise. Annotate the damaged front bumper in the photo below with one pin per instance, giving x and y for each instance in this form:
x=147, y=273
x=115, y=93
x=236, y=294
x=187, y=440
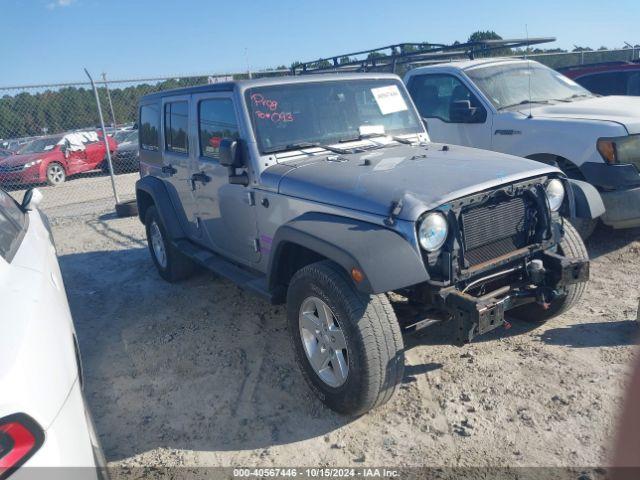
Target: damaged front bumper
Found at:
x=475, y=315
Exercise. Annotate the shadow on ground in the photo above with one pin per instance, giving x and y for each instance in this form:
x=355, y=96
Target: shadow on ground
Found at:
x=599, y=334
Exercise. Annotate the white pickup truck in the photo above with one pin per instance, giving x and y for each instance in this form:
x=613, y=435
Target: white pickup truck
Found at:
x=523, y=108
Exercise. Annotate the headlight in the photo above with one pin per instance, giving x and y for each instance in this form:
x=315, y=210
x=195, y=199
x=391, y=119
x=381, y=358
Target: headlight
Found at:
x=555, y=194
x=620, y=149
x=32, y=163
x=433, y=231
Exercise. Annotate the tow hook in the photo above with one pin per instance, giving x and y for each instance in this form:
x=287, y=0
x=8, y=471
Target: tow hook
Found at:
x=544, y=298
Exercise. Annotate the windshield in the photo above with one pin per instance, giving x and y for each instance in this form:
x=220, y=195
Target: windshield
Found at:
x=507, y=85
x=328, y=112
x=40, y=145
x=126, y=136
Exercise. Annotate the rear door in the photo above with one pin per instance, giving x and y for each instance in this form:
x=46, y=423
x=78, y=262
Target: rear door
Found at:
x=177, y=144
x=435, y=95
x=225, y=211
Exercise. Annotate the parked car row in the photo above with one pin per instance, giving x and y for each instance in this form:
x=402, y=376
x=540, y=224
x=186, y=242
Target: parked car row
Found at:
x=52, y=159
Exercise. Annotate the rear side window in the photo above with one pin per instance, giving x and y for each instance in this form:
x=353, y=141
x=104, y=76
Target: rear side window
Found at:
x=149, y=127
x=216, y=120
x=12, y=226
x=176, y=121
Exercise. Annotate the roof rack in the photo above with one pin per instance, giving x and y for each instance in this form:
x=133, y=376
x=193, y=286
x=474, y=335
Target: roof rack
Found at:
x=389, y=57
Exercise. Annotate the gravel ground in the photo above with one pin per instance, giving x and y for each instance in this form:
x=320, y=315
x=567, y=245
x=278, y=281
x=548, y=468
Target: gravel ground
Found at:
x=202, y=374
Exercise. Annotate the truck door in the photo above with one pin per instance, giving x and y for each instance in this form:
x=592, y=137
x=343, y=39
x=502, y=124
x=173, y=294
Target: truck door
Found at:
x=453, y=113
x=177, y=143
x=225, y=211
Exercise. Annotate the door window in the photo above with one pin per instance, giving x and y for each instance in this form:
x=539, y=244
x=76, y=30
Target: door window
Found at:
x=176, y=121
x=435, y=96
x=216, y=120
x=149, y=127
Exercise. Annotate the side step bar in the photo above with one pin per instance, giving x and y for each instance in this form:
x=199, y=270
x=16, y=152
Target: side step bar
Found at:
x=246, y=279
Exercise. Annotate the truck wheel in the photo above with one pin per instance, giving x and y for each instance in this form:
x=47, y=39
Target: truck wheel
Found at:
x=172, y=264
x=348, y=344
x=570, y=246
x=55, y=174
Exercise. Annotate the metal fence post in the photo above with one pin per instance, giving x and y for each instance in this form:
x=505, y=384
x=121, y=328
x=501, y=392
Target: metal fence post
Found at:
x=106, y=85
x=104, y=137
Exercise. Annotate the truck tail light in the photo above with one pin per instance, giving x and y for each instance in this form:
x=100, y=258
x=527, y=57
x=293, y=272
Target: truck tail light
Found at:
x=20, y=438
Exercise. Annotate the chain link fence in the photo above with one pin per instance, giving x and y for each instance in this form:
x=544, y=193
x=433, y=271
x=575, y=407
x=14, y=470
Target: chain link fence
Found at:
x=50, y=137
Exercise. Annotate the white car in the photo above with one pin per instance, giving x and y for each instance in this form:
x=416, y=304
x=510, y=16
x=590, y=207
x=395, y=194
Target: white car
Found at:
x=523, y=108
x=44, y=421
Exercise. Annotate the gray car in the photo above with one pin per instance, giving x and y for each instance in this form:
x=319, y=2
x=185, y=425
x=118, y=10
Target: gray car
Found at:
x=325, y=193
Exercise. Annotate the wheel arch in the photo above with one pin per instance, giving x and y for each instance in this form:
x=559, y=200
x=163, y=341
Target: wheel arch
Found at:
x=152, y=191
x=567, y=166
x=386, y=259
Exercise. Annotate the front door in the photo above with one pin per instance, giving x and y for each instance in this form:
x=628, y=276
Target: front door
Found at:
x=226, y=212
x=178, y=145
x=437, y=97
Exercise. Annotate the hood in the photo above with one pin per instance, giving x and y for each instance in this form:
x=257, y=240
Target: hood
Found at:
x=619, y=109
x=423, y=177
x=127, y=147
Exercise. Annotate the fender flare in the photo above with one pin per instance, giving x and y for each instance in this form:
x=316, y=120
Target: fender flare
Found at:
x=587, y=200
x=153, y=191
x=388, y=260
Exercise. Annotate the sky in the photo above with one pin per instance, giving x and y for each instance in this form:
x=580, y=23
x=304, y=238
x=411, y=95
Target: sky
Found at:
x=48, y=41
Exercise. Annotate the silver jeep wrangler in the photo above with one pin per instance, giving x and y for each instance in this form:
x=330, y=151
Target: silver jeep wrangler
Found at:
x=324, y=192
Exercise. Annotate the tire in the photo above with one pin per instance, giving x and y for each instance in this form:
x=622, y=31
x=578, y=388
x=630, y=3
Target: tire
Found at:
x=585, y=226
x=127, y=209
x=570, y=246
x=174, y=265
x=56, y=174
x=365, y=324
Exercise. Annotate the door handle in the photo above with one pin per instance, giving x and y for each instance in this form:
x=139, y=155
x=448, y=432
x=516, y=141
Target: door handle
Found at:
x=169, y=169
x=199, y=177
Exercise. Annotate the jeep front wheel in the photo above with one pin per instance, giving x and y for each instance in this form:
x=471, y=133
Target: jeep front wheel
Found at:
x=172, y=264
x=348, y=343
x=571, y=246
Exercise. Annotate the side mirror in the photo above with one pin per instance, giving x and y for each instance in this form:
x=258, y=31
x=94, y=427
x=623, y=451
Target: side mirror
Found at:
x=462, y=111
x=32, y=198
x=230, y=153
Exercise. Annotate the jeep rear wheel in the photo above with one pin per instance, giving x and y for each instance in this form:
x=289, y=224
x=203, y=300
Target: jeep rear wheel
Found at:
x=570, y=246
x=172, y=264
x=348, y=344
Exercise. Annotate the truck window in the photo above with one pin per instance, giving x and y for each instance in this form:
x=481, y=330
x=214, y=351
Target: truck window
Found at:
x=149, y=127
x=12, y=225
x=176, y=121
x=609, y=83
x=216, y=120
x=434, y=96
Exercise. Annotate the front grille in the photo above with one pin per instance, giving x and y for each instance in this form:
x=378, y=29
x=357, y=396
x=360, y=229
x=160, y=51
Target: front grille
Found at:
x=490, y=231
x=9, y=169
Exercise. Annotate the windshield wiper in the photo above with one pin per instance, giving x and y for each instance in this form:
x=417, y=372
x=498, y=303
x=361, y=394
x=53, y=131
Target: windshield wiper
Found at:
x=366, y=136
x=301, y=145
x=524, y=102
x=574, y=96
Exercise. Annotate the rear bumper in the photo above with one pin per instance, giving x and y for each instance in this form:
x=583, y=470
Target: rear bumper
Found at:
x=622, y=208
x=473, y=316
x=71, y=449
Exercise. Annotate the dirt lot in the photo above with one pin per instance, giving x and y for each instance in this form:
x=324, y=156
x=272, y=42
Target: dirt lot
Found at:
x=201, y=373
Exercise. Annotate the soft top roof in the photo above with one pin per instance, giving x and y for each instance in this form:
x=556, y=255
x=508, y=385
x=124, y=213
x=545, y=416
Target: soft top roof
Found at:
x=261, y=82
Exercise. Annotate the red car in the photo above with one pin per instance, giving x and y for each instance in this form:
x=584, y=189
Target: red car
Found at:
x=52, y=159
x=609, y=78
